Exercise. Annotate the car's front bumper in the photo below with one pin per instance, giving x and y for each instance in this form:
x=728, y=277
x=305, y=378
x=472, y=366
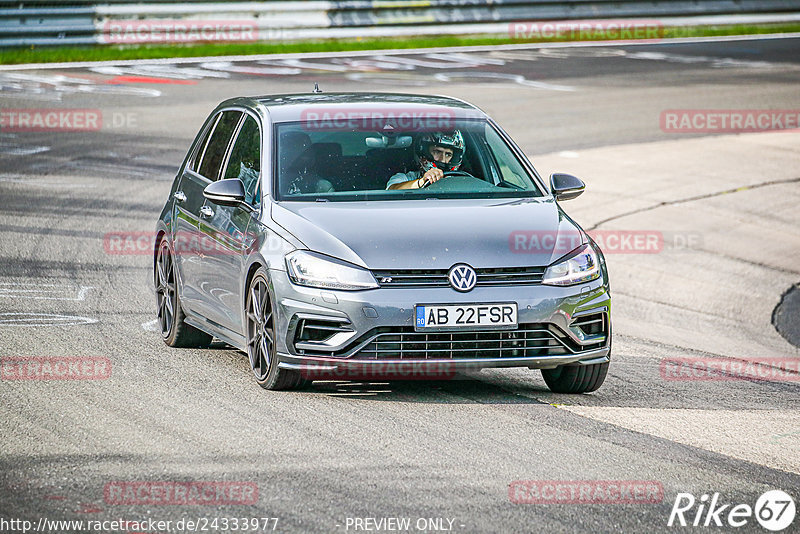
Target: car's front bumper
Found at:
x=365, y=317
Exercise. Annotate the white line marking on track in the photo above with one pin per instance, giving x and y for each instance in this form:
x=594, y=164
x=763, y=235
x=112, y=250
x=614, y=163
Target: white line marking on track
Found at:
x=714, y=62
x=82, y=292
x=409, y=51
x=500, y=76
x=160, y=70
x=37, y=183
x=43, y=319
x=43, y=291
x=227, y=66
x=151, y=326
x=394, y=79
x=299, y=64
x=53, y=86
x=10, y=150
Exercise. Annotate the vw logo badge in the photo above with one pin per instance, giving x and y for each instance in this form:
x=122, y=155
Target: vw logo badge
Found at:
x=462, y=277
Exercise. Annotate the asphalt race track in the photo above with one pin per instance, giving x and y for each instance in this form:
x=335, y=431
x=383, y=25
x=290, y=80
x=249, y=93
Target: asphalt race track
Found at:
x=442, y=454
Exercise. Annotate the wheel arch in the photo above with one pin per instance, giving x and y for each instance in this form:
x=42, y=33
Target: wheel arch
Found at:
x=251, y=272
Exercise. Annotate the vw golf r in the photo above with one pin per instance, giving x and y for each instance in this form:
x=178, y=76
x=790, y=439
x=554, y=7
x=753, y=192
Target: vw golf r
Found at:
x=350, y=231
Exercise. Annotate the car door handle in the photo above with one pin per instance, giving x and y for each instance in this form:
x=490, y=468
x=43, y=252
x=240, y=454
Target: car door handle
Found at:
x=205, y=211
x=180, y=196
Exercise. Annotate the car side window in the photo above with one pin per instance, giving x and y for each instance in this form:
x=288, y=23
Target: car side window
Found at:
x=214, y=153
x=194, y=161
x=245, y=160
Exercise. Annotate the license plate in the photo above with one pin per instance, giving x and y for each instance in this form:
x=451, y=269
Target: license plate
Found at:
x=458, y=316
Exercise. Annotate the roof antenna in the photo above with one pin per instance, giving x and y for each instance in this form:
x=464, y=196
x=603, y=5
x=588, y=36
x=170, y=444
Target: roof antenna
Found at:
x=316, y=88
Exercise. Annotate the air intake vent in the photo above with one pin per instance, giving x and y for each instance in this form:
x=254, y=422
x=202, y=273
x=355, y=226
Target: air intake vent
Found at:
x=498, y=344
x=591, y=325
x=528, y=340
x=318, y=330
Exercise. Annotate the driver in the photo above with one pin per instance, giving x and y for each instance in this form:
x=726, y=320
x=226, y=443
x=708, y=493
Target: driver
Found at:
x=435, y=153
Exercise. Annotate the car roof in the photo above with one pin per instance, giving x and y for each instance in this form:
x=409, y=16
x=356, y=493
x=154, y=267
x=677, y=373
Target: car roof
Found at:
x=295, y=107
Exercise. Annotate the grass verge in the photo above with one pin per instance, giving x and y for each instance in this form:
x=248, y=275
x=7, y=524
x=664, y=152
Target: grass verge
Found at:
x=34, y=54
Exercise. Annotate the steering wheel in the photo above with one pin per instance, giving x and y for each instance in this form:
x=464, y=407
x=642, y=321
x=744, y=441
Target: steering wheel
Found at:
x=447, y=174
x=466, y=183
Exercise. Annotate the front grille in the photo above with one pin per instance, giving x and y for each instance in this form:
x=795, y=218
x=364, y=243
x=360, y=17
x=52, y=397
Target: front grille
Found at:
x=500, y=276
x=527, y=341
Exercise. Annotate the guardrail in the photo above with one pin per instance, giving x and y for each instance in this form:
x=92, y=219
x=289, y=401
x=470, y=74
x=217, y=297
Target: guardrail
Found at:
x=111, y=22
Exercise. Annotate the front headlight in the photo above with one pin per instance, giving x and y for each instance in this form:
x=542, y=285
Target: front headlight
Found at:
x=581, y=267
x=315, y=270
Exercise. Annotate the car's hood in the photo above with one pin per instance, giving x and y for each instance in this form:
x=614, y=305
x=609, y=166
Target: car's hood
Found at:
x=433, y=234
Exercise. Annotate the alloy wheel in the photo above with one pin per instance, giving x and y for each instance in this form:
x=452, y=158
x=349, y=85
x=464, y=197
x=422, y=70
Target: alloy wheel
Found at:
x=260, y=330
x=165, y=289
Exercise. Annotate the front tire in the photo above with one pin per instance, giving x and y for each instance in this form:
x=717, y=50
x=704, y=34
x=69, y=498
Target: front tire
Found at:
x=174, y=330
x=575, y=378
x=261, y=348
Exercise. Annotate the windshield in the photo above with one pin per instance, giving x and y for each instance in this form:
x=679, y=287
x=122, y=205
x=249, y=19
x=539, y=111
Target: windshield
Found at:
x=316, y=163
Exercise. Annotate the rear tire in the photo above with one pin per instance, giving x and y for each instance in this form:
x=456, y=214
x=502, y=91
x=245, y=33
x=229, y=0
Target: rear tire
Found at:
x=261, y=348
x=174, y=330
x=575, y=378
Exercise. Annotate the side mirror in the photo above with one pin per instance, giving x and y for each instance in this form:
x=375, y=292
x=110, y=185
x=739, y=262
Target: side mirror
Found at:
x=566, y=186
x=228, y=192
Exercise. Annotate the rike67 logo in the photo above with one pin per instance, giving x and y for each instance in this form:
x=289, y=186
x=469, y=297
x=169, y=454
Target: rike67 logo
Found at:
x=774, y=510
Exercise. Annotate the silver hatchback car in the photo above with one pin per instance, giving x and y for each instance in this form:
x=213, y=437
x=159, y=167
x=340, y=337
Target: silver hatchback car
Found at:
x=371, y=235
